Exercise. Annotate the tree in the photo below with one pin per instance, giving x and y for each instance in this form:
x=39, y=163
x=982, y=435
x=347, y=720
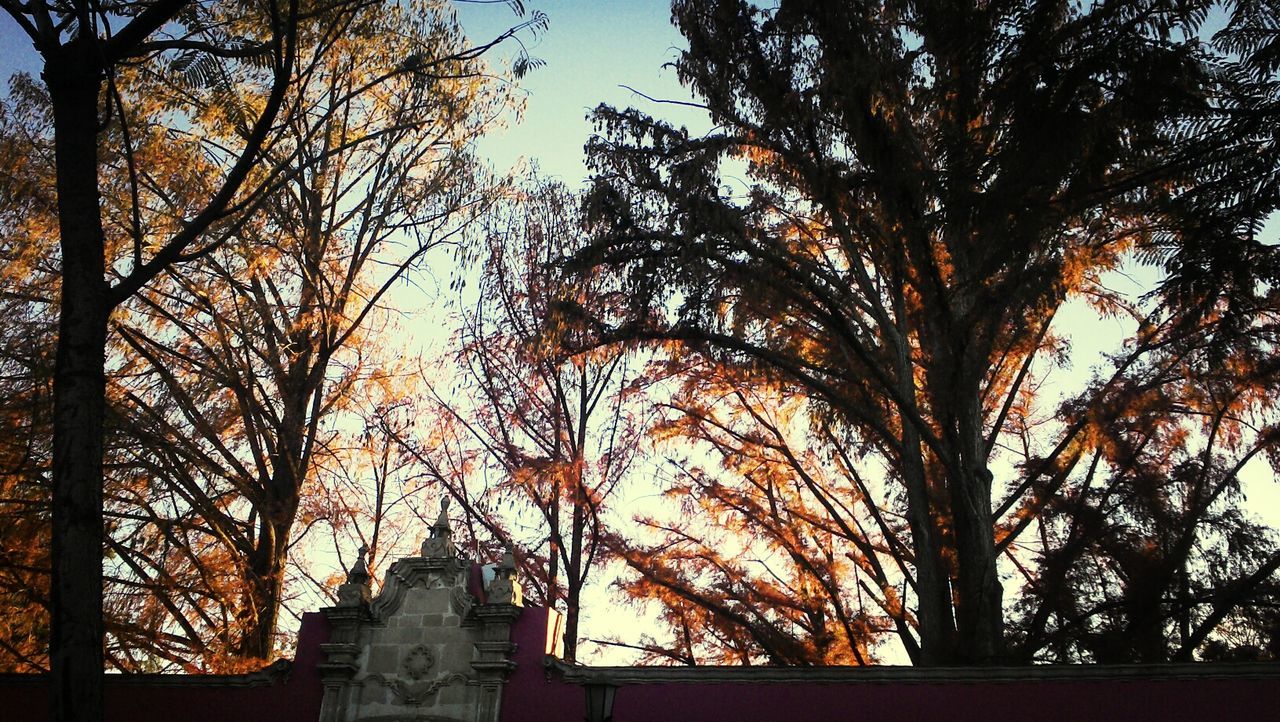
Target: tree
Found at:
x=84, y=49
x=97, y=60
x=1144, y=549
x=932, y=182
x=786, y=554
x=28, y=290
x=556, y=428
x=245, y=359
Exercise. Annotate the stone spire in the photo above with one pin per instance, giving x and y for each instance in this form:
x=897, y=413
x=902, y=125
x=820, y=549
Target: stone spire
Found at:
x=505, y=588
x=440, y=542
x=356, y=589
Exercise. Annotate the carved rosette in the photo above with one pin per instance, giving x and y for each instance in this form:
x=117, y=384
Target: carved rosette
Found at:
x=418, y=662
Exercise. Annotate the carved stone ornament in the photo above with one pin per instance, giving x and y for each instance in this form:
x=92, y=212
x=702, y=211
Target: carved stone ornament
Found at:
x=460, y=602
x=351, y=595
x=418, y=662
x=355, y=590
x=417, y=693
x=440, y=542
x=505, y=589
x=359, y=572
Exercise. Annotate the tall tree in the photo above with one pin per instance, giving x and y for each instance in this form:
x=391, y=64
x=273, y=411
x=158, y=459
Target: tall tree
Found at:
x=932, y=182
x=84, y=46
x=246, y=358
x=99, y=62
x=28, y=294
x=555, y=427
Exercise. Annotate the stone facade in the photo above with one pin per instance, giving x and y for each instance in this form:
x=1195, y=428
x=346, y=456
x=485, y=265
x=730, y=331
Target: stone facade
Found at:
x=426, y=648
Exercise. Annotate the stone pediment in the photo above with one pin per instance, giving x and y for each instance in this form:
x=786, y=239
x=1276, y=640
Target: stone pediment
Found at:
x=423, y=649
x=416, y=572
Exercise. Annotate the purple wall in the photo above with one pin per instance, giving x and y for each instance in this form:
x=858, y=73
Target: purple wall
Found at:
x=1199, y=700
x=536, y=694
x=532, y=694
x=192, y=698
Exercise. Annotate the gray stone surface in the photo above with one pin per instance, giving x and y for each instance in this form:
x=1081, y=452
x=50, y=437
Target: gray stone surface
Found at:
x=423, y=648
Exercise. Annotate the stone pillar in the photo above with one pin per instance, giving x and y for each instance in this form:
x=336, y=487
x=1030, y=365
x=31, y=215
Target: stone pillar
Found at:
x=504, y=602
x=343, y=648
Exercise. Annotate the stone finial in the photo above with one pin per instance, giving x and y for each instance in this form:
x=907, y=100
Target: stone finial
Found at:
x=440, y=542
x=508, y=563
x=505, y=588
x=356, y=589
x=359, y=573
x=442, y=519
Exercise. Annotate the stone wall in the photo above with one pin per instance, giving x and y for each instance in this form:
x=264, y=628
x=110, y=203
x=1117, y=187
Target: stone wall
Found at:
x=432, y=646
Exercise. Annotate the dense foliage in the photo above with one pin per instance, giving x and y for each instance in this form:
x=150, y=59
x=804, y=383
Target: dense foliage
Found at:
x=842, y=326
x=931, y=183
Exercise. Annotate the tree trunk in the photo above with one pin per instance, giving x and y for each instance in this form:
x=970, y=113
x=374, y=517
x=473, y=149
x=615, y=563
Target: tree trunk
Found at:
x=74, y=79
x=265, y=586
x=279, y=504
x=979, y=598
x=937, y=627
x=573, y=571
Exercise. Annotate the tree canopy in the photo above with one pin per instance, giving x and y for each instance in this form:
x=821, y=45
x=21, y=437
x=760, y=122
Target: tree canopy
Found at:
x=810, y=382
x=930, y=183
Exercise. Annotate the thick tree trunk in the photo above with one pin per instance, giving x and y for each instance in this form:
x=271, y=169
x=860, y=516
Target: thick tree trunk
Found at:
x=74, y=81
x=267, y=562
x=937, y=627
x=979, y=597
x=278, y=507
x=265, y=586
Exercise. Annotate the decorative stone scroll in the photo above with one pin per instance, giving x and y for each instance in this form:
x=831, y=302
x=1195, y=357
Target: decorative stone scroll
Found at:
x=419, y=693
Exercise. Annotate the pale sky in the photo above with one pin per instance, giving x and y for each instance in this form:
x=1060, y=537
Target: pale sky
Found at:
x=591, y=49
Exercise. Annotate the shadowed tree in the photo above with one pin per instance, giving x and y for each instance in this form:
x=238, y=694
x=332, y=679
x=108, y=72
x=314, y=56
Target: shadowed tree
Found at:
x=783, y=555
x=931, y=182
x=28, y=293
x=84, y=46
x=243, y=361
x=226, y=73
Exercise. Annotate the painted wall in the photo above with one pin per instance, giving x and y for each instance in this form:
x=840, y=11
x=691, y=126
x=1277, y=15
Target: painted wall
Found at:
x=539, y=693
x=1247, y=692
x=192, y=698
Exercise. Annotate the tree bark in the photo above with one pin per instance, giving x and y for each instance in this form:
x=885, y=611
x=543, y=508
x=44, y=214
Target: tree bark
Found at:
x=573, y=570
x=937, y=626
x=979, y=598
x=74, y=78
x=268, y=558
x=266, y=581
